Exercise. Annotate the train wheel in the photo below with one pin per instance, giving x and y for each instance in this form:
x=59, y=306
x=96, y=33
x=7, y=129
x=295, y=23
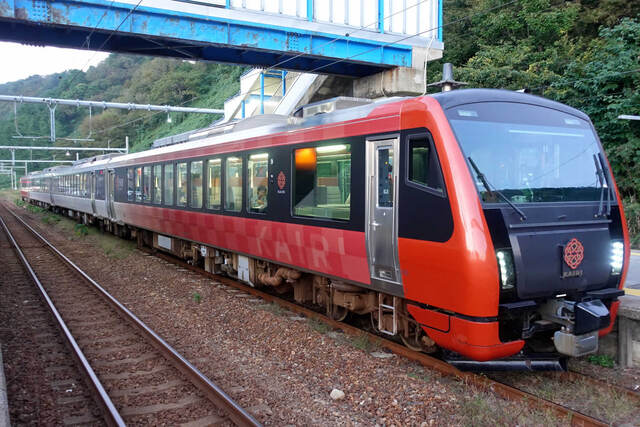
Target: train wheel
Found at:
x=339, y=313
x=374, y=320
x=418, y=339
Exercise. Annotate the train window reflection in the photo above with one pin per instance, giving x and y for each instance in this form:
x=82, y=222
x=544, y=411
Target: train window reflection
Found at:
x=322, y=182
x=257, y=184
x=215, y=185
x=196, y=184
x=423, y=164
x=138, y=184
x=385, y=177
x=146, y=184
x=168, y=185
x=181, y=187
x=157, y=184
x=130, y=184
x=233, y=190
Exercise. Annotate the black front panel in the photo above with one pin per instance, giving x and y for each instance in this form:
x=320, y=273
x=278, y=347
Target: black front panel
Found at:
x=558, y=249
x=540, y=261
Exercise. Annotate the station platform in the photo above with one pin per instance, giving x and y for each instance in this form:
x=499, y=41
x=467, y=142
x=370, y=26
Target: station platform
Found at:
x=628, y=333
x=623, y=343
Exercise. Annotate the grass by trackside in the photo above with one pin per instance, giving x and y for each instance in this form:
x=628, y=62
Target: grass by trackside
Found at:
x=113, y=247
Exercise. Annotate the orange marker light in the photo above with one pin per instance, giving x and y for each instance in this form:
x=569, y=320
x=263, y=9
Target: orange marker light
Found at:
x=306, y=159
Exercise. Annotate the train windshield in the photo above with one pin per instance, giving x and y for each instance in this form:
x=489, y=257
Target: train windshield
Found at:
x=529, y=153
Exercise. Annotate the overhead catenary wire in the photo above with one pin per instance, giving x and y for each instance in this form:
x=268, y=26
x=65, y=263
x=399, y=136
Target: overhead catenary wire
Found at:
x=111, y=33
x=284, y=61
x=87, y=40
x=403, y=38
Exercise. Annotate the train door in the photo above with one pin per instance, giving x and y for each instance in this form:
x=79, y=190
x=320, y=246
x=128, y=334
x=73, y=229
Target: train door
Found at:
x=92, y=178
x=381, y=214
x=111, y=188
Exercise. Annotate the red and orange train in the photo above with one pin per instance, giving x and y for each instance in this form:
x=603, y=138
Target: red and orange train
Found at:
x=484, y=222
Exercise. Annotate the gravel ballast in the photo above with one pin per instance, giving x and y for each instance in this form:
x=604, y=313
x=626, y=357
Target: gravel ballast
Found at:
x=280, y=366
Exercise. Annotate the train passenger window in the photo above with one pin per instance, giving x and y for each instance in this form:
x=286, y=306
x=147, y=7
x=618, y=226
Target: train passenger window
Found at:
x=146, y=184
x=131, y=185
x=168, y=185
x=196, y=184
x=322, y=182
x=214, y=186
x=100, y=185
x=87, y=188
x=423, y=164
x=181, y=187
x=385, y=177
x=138, y=184
x=233, y=190
x=157, y=180
x=257, y=182
x=120, y=180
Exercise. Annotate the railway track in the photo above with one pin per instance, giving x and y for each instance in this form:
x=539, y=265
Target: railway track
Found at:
x=135, y=377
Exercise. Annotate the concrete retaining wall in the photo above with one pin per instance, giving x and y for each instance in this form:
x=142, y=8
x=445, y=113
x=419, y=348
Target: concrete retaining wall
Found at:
x=623, y=343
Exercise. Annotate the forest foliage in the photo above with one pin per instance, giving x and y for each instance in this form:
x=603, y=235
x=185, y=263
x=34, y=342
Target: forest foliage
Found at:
x=585, y=53
x=120, y=78
x=582, y=53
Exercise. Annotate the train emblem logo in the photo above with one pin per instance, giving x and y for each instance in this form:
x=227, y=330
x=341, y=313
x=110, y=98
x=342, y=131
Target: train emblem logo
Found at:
x=573, y=253
x=282, y=180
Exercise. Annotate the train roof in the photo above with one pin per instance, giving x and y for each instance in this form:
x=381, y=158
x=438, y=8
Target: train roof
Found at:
x=470, y=96
x=271, y=124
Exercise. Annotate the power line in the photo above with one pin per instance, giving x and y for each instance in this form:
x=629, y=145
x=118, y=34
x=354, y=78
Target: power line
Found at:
x=348, y=34
x=482, y=12
x=111, y=33
x=88, y=38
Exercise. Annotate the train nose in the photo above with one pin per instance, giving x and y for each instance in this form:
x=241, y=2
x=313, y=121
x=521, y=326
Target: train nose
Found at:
x=553, y=262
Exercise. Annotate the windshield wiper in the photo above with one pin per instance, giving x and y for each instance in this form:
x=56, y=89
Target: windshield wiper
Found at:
x=600, y=176
x=603, y=177
x=486, y=184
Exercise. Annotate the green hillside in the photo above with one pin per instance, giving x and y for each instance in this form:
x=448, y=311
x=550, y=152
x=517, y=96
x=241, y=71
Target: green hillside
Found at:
x=120, y=78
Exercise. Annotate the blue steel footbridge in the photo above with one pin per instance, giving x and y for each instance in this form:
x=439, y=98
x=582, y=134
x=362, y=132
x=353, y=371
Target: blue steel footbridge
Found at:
x=343, y=37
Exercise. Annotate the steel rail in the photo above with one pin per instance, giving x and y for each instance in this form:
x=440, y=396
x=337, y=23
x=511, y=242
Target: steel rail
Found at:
x=110, y=413
x=579, y=376
x=483, y=383
x=235, y=412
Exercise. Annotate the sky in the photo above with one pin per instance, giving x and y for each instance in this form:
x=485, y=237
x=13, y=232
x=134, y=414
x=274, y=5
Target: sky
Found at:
x=21, y=61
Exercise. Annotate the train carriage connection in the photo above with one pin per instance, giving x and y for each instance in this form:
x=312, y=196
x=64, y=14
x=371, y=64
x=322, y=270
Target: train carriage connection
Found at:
x=485, y=222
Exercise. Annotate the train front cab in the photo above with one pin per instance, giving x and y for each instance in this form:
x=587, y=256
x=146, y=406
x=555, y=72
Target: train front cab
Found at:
x=538, y=248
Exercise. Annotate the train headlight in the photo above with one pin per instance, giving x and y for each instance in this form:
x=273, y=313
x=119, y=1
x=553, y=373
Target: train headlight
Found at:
x=617, y=256
x=507, y=269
